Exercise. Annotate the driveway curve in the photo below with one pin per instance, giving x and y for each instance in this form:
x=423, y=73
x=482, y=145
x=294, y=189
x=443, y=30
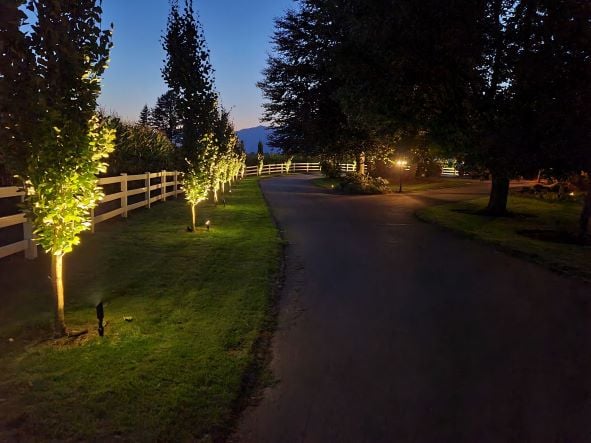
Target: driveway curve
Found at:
x=393, y=330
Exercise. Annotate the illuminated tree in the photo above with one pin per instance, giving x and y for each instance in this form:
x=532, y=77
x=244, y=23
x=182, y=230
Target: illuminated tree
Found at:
x=288, y=162
x=196, y=183
x=65, y=144
x=260, y=158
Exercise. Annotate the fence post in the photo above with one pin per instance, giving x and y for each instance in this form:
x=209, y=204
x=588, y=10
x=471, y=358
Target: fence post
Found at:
x=148, y=189
x=307, y=167
x=176, y=184
x=269, y=169
x=31, y=251
x=124, y=195
x=163, y=186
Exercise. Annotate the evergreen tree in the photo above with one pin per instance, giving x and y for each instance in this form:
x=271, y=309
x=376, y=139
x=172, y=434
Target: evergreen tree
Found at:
x=165, y=115
x=189, y=74
x=144, y=116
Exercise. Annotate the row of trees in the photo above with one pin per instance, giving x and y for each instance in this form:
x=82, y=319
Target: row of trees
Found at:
x=54, y=140
x=211, y=152
x=503, y=85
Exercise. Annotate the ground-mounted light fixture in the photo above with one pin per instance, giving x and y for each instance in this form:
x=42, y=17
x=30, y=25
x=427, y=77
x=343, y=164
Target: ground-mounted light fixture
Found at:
x=100, y=315
x=207, y=224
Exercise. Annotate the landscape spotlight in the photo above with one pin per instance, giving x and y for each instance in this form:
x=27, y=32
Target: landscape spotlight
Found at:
x=100, y=315
x=207, y=223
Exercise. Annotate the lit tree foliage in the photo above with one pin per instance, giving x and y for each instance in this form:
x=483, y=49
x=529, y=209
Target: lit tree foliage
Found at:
x=197, y=184
x=65, y=144
x=260, y=157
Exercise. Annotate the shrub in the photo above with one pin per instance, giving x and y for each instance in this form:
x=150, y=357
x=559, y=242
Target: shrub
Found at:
x=355, y=183
x=330, y=168
x=140, y=149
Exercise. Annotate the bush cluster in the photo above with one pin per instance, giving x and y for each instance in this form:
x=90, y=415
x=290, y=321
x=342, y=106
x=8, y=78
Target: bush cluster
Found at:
x=140, y=149
x=356, y=183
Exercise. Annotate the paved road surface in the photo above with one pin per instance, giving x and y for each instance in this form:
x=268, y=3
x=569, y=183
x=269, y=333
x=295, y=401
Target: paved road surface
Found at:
x=392, y=330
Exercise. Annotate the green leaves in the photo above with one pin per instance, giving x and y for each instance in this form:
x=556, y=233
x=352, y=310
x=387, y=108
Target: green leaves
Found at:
x=49, y=83
x=61, y=195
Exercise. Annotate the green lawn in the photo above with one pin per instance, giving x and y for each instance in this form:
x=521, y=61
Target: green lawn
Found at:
x=198, y=301
x=529, y=215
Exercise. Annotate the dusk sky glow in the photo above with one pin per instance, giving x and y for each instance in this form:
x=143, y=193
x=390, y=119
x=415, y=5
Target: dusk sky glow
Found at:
x=238, y=35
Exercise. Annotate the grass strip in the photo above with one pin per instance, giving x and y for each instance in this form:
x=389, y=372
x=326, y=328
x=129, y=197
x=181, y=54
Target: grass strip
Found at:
x=198, y=303
x=511, y=233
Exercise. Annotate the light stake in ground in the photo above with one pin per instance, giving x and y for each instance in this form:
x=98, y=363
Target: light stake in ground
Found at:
x=100, y=315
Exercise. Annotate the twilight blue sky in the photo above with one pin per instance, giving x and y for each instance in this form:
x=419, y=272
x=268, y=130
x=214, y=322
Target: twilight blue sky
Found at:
x=237, y=32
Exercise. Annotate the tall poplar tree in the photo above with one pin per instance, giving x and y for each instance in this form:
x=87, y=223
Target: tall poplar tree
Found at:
x=189, y=74
x=55, y=141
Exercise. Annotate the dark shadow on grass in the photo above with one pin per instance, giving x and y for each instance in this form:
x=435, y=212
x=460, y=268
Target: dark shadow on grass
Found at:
x=554, y=236
x=485, y=213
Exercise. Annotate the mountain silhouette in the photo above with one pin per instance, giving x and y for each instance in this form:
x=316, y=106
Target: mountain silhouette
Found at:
x=252, y=136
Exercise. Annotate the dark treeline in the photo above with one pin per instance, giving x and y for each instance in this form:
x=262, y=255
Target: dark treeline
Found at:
x=500, y=85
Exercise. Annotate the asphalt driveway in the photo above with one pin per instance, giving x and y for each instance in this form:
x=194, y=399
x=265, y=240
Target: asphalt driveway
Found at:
x=393, y=330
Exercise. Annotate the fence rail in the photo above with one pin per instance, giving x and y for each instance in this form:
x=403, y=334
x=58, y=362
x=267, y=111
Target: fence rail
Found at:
x=121, y=197
x=280, y=168
x=151, y=187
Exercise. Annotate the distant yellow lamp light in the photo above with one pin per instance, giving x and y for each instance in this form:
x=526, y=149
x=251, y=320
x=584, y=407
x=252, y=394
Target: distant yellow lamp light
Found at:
x=401, y=163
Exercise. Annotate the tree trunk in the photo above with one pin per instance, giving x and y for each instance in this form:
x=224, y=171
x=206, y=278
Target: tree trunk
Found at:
x=499, y=192
x=585, y=215
x=194, y=216
x=223, y=188
x=215, y=196
x=361, y=163
x=57, y=283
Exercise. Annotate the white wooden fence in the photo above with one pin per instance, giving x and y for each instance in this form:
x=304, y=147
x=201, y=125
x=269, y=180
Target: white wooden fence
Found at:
x=449, y=172
x=280, y=168
x=168, y=185
x=26, y=244
x=152, y=186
